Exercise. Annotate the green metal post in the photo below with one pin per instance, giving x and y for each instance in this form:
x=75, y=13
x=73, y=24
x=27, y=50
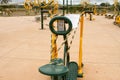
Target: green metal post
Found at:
x=63, y=7
x=71, y=6
x=41, y=18
x=67, y=6
x=66, y=53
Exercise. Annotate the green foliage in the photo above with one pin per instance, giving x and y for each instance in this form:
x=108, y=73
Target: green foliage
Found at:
x=105, y=4
x=118, y=6
x=102, y=4
x=4, y=1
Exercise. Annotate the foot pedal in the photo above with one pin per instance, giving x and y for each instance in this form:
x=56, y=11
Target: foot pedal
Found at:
x=73, y=71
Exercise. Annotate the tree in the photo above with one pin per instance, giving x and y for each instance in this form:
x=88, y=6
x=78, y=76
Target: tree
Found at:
x=103, y=4
x=118, y=6
x=4, y=1
x=108, y=4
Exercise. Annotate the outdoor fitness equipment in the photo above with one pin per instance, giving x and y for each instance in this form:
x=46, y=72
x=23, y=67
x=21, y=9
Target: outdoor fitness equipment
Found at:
x=58, y=68
x=117, y=11
x=61, y=30
x=28, y=4
x=117, y=20
x=50, y=7
x=94, y=10
x=99, y=10
x=90, y=15
x=53, y=11
x=63, y=68
x=85, y=4
x=109, y=16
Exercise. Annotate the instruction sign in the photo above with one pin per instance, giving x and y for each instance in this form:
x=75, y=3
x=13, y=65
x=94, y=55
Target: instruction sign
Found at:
x=60, y=25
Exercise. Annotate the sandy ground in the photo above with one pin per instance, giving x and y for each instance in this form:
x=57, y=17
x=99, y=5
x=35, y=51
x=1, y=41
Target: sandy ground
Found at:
x=24, y=48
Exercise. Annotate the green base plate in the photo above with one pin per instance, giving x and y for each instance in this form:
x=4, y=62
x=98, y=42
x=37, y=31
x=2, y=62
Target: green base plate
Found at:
x=73, y=71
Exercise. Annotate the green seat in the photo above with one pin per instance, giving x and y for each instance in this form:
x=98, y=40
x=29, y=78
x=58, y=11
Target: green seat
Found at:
x=53, y=70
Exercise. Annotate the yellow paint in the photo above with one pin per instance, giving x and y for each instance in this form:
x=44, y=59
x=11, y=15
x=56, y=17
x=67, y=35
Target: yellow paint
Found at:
x=54, y=53
x=55, y=10
x=37, y=2
x=117, y=20
x=28, y=4
x=91, y=17
x=95, y=11
x=50, y=2
x=80, y=45
x=115, y=6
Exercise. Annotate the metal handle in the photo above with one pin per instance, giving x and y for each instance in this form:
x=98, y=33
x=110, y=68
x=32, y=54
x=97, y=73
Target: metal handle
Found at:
x=61, y=27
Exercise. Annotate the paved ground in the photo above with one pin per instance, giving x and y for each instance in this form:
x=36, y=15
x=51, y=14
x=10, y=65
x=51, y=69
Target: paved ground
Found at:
x=24, y=48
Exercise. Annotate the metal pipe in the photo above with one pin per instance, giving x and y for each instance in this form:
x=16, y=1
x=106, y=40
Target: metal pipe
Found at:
x=63, y=7
x=67, y=6
x=71, y=6
x=41, y=18
x=80, y=71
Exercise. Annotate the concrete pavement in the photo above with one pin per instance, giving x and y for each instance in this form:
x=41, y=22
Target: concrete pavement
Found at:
x=24, y=48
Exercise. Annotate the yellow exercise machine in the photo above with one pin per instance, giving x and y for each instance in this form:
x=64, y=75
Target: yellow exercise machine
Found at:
x=90, y=16
x=85, y=4
x=117, y=20
x=80, y=64
x=54, y=51
x=116, y=11
x=96, y=10
x=28, y=4
x=115, y=14
x=52, y=9
x=52, y=13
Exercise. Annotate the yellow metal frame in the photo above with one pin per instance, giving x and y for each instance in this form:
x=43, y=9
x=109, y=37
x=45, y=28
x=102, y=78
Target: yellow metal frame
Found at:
x=94, y=10
x=53, y=3
x=115, y=6
x=117, y=19
x=50, y=2
x=29, y=4
x=54, y=52
x=80, y=71
x=90, y=17
x=37, y=2
x=54, y=11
